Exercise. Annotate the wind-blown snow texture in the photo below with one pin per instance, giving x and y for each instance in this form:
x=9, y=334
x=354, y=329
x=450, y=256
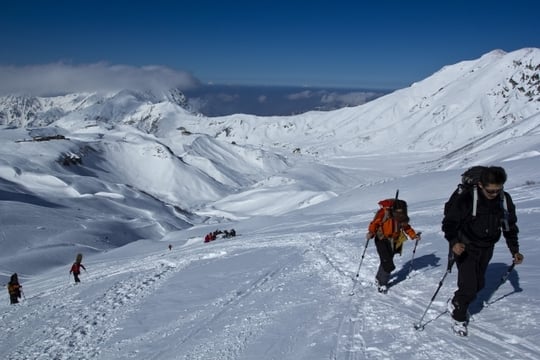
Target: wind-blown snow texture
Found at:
x=131, y=174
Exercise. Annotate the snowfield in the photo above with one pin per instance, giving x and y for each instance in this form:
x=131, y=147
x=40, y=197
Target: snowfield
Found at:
x=271, y=294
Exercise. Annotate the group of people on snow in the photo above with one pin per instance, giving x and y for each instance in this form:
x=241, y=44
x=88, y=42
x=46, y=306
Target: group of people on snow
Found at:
x=472, y=224
x=213, y=235
x=15, y=288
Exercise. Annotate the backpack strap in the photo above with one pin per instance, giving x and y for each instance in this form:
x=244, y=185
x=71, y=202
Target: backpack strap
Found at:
x=475, y=200
x=504, y=206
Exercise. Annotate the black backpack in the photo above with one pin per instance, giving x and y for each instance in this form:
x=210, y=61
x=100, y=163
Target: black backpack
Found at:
x=469, y=182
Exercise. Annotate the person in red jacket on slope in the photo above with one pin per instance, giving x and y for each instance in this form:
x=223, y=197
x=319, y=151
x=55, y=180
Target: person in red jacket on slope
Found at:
x=76, y=270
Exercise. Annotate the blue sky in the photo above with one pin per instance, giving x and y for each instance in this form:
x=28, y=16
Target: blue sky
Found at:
x=381, y=44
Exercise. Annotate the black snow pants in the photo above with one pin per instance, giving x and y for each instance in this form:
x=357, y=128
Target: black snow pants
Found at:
x=386, y=256
x=472, y=266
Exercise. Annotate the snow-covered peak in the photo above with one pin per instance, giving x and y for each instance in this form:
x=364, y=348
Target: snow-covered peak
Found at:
x=107, y=106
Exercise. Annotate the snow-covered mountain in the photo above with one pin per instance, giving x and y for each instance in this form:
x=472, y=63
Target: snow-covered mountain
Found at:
x=119, y=176
x=492, y=98
x=113, y=107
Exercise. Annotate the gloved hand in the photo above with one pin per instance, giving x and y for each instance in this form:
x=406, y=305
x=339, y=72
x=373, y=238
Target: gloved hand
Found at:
x=518, y=258
x=418, y=236
x=458, y=248
x=369, y=235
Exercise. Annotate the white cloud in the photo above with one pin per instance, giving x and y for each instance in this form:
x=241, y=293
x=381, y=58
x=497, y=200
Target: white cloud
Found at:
x=227, y=97
x=59, y=78
x=352, y=98
x=301, y=95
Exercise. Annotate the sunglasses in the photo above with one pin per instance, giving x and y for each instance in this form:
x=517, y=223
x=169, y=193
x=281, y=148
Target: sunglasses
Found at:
x=493, y=191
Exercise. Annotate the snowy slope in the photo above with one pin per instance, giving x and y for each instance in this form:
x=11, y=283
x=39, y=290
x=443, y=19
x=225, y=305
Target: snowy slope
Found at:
x=281, y=289
x=132, y=176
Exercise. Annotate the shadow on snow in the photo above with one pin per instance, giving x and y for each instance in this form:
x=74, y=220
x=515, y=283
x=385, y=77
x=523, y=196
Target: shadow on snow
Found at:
x=425, y=261
x=492, y=291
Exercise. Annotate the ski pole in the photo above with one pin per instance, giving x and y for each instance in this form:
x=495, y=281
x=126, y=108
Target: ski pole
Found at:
x=503, y=280
x=359, y=266
x=451, y=260
x=362, y=259
x=413, y=252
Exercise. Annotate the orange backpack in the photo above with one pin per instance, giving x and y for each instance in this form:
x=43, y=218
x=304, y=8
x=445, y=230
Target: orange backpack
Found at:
x=384, y=225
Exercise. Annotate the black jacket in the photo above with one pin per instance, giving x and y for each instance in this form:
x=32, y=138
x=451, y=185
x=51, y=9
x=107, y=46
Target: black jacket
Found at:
x=485, y=228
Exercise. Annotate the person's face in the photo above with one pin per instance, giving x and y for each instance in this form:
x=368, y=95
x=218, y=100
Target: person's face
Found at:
x=399, y=215
x=491, y=191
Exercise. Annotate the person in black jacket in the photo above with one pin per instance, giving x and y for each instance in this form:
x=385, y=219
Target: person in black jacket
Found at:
x=472, y=226
x=14, y=289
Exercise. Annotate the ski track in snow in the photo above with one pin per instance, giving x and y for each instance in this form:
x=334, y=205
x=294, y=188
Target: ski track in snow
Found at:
x=370, y=316
x=358, y=322
x=91, y=324
x=239, y=332
x=191, y=336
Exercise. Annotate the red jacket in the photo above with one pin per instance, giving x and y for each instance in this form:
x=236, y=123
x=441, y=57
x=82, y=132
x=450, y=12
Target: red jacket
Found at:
x=76, y=268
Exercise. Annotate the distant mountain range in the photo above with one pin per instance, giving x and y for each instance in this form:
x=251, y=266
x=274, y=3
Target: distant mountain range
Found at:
x=495, y=92
x=206, y=100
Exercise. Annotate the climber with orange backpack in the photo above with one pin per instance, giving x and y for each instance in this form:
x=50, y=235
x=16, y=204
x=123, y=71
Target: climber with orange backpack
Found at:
x=390, y=228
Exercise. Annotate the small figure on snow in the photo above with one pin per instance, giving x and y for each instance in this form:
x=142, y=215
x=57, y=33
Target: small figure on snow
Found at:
x=229, y=233
x=76, y=268
x=14, y=289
